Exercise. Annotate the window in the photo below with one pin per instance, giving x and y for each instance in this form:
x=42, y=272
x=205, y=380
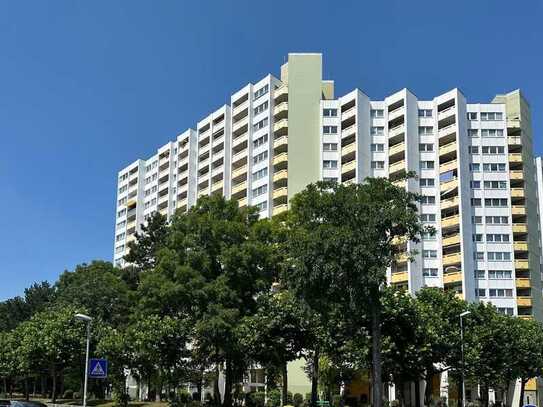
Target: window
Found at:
x=262, y=206
x=121, y=201
x=473, y=132
x=123, y=188
x=426, y=131
x=427, y=200
x=377, y=131
x=429, y=272
x=487, y=116
x=496, y=202
x=495, y=184
x=330, y=179
x=119, y=249
x=473, y=149
x=475, y=184
x=260, y=174
x=121, y=213
x=497, y=238
x=329, y=129
x=500, y=292
x=261, y=92
x=261, y=108
x=493, y=150
x=426, y=165
x=477, y=237
x=428, y=236
x=477, y=220
x=429, y=254
x=261, y=124
x=480, y=292
x=329, y=112
x=428, y=217
x=494, y=167
x=119, y=237
x=479, y=274
x=498, y=256
x=497, y=220
x=121, y=224
x=329, y=164
x=426, y=147
x=500, y=274
x=475, y=201
x=425, y=113
x=260, y=141
x=479, y=255
x=377, y=165
x=472, y=116
x=377, y=147
x=329, y=147
x=260, y=157
x=427, y=182
x=147, y=180
x=260, y=190
x=506, y=310
x=491, y=133
x=123, y=177
x=475, y=167
x=377, y=113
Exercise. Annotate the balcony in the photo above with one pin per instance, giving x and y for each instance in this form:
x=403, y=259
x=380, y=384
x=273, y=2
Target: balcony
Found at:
x=447, y=131
x=402, y=258
x=518, y=210
x=238, y=125
x=452, y=278
x=280, y=193
x=239, y=189
x=449, y=185
x=281, y=94
x=348, y=113
x=280, y=145
x=454, y=259
x=522, y=283
x=348, y=149
x=280, y=127
x=517, y=192
x=394, y=114
x=396, y=131
x=521, y=264
x=280, y=176
x=450, y=203
x=514, y=141
x=279, y=209
x=238, y=172
x=515, y=158
x=450, y=222
x=449, y=166
x=242, y=138
x=242, y=202
x=397, y=278
x=517, y=175
x=240, y=108
x=451, y=240
x=280, y=111
x=520, y=228
x=216, y=186
x=396, y=167
x=280, y=161
x=444, y=114
x=347, y=167
x=523, y=302
x=447, y=148
x=520, y=246
x=131, y=204
x=238, y=156
x=396, y=149
x=348, y=131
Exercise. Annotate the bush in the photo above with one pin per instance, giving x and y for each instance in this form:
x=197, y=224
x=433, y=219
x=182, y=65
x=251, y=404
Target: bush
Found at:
x=255, y=399
x=68, y=394
x=297, y=399
x=121, y=399
x=77, y=395
x=274, y=398
x=336, y=400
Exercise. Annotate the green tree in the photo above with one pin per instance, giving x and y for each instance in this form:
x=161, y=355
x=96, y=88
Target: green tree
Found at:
x=143, y=251
x=341, y=243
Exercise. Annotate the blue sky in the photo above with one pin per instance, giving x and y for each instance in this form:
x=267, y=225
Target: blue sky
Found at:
x=86, y=87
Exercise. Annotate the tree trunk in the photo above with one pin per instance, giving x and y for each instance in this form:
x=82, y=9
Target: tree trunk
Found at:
x=284, y=390
x=417, y=393
x=522, y=386
x=400, y=392
x=27, y=394
x=54, y=390
x=227, y=402
x=315, y=379
x=428, y=389
x=484, y=394
x=216, y=391
x=377, y=380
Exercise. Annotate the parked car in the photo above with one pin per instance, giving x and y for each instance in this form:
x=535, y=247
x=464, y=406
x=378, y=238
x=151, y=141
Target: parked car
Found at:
x=21, y=403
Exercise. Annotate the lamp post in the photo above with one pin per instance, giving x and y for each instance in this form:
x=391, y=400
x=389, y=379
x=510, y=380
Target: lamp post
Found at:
x=88, y=320
x=462, y=315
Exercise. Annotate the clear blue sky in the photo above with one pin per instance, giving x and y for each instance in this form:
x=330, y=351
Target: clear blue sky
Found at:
x=86, y=87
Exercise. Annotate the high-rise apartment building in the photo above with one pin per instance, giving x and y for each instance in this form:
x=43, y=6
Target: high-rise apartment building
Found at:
x=474, y=164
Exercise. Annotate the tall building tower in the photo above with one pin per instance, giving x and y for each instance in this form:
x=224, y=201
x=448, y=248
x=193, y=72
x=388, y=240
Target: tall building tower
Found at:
x=474, y=162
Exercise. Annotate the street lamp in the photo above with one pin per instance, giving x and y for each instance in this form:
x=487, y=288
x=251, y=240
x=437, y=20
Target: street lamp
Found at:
x=88, y=320
x=462, y=315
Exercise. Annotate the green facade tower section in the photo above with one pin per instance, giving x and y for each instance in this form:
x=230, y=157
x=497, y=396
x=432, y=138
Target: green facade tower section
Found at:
x=304, y=81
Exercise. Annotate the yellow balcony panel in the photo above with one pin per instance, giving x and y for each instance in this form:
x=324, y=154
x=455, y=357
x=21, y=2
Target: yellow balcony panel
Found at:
x=131, y=203
x=451, y=278
x=518, y=210
x=400, y=165
x=526, y=316
x=281, y=109
x=350, y=166
x=279, y=209
x=351, y=148
x=242, y=203
x=396, y=149
x=515, y=157
x=281, y=92
x=520, y=228
x=164, y=211
x=516, y=175
x=517, y=192
x=451, y=240
x=447, y=148
x=520, y=246
x=130, y=238
x=402, y=258
x=521, y=264
x=238, y=156
x=130, y=225
x=524, y=301
x=280, y=125
x=217, y=185
x=450, y=202
x=280, y=176
x=452, y=259
x=239, y=188
x=280, y=159
x=446, y=131
x=238, y=125
x=399, y=240
x=522, y=283
x=237, y=140
x=399, y=277
x=531, y=385
x=239, y=171
x=280, y=142
x=183, y=203
x=451, y=165
x=514, y=140
x=400, y=183
x=280, y=193
x=450, y=221
x=448, y=185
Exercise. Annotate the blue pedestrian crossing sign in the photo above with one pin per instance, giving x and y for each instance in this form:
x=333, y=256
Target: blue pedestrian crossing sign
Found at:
x=97, y=368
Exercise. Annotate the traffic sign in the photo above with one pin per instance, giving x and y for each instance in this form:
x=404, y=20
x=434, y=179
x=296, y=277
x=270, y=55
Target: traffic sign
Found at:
x=97, y=368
